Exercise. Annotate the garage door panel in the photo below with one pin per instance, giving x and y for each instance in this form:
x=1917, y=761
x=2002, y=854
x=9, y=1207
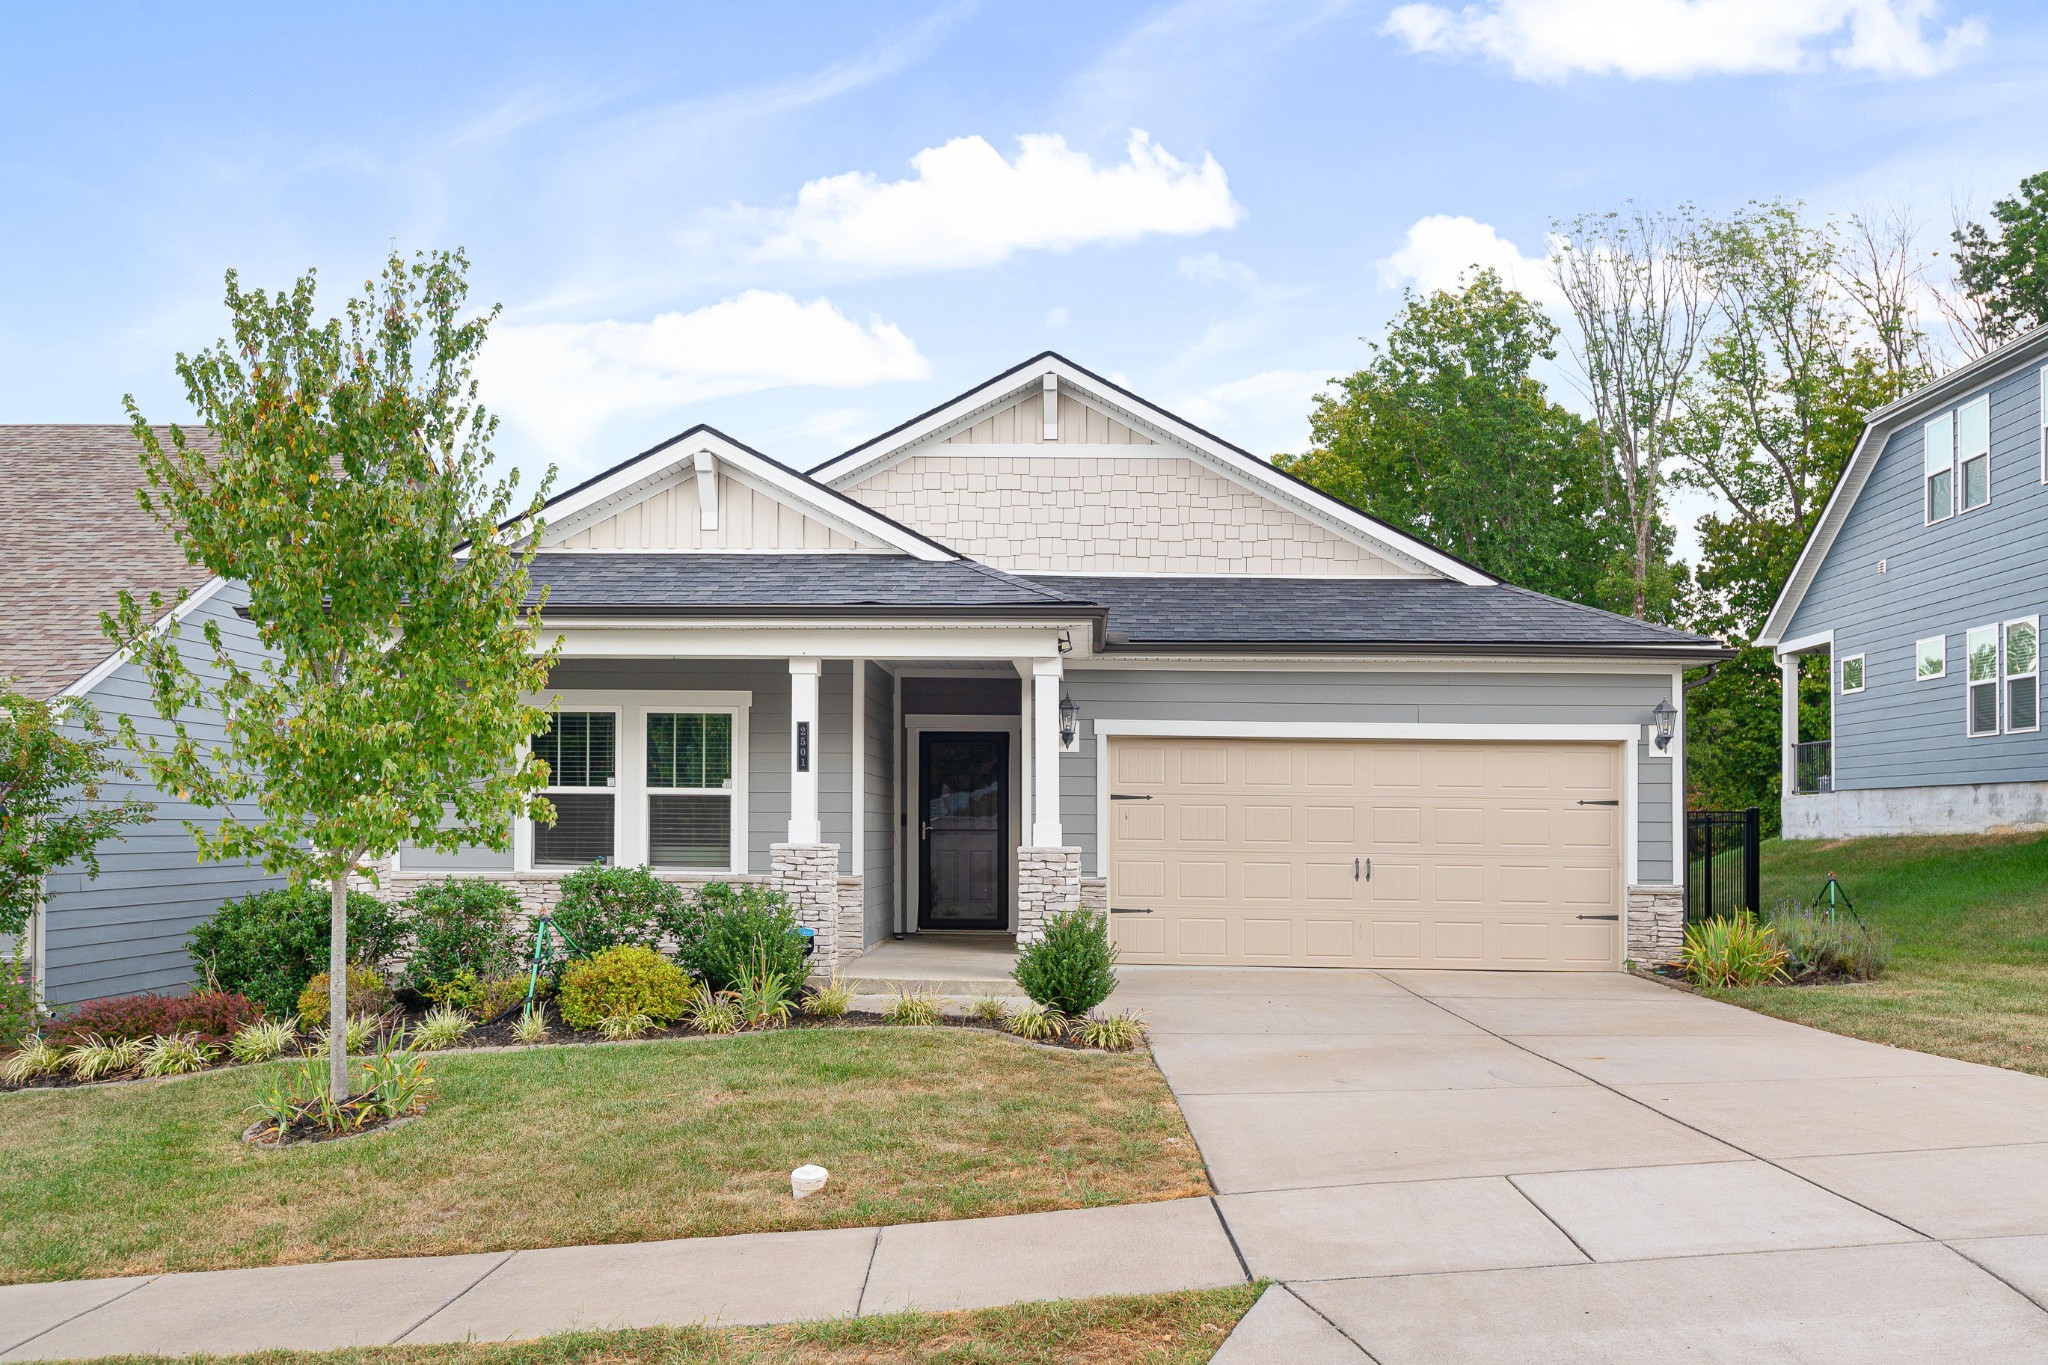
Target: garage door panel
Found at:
x=1267, y=823
x=1269, y=938
x=1203, y=823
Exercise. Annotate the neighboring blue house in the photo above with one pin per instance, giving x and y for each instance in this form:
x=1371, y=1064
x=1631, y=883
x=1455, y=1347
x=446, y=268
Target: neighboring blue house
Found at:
x=1924, y=583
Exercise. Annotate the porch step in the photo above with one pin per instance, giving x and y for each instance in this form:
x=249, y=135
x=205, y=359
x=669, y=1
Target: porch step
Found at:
x=962, y=988
x=942, y=964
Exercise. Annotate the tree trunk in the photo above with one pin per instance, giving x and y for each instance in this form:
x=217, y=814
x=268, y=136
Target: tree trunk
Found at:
x=337, y=990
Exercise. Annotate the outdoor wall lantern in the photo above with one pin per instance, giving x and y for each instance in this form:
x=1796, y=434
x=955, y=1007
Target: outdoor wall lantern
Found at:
x=1664, y=713
x=1070, y=724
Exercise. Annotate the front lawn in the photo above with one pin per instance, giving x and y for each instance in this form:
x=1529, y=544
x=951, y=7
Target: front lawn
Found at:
x=1969, y=915
x=565, y=1145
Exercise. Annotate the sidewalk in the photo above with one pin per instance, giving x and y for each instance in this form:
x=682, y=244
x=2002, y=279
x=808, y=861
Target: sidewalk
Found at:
x=755, y=1279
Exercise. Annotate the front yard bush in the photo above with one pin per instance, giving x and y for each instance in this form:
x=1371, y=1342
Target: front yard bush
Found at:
x=214, y=1016
x=366, y=993
x=19, y=1013
x=1823, y=948
x=464, y=924
x=624, y=981
x=745, y=933
x=609, y=907
x=1072, y=969
x=484, y=998
x=1732, y=951
x=269, y=944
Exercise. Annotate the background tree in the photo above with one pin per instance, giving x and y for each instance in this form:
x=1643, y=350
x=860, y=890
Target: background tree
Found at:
x=353, y=465
x=1446, y=433
x=2004, y=272
x=1639, y=307
x=55, y=760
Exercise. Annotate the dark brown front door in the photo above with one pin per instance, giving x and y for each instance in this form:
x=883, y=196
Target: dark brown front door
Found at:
x=963, y=839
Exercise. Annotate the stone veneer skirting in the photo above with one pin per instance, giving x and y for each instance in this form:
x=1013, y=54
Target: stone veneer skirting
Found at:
x=1048, y=883
x=1656, y=924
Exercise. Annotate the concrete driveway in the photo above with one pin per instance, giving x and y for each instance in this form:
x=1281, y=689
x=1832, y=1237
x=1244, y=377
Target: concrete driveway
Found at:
x=1520, y=1167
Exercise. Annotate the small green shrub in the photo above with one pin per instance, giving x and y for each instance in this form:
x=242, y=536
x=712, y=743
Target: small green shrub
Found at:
x=268, y=944
x=462, y=925
x=765, y=998
x=263, y=1040
x=914, y=1009
x=366, y=993
x=1115, y=1032
x=176, y=1054
x=830, y=1001
x=740, y=929
x=443, y=1026
x=1072, y=969
x=619, y=1028
x=358, y=1031
x=1034, y=1022
x=97, y=1058
x=485, y=999
x=713, y=1011
x=19, y=1013
x=988, y=1009
x=620, y=981
x=603, y=906
x=38, y=1058
x=1820, y=948
x=1732, y=951
x=532, y=1026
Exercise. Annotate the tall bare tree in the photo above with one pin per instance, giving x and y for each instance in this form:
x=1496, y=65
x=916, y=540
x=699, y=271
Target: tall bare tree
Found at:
x=1882, y=267
x=1641, y=307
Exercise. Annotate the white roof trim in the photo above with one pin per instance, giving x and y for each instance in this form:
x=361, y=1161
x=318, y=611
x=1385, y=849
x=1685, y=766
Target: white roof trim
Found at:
x=104, y=669
x=676, y=458
x=1228, y=459
x=1878, y=429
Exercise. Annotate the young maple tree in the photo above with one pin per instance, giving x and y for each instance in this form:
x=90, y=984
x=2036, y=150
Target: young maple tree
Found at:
x=350, y=488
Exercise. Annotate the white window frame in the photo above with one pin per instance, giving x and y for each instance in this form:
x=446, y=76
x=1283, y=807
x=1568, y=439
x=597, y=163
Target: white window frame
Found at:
x=1942, y=657
x=733, y=790
x=1842, y=674
x=1946, y=426
x=1963, y=462
x=1996, y=682
x=615, y=790
x=2006, y=676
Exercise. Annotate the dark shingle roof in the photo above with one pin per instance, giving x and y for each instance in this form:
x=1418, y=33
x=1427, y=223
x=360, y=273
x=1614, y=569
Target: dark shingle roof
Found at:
x=1372, y=614
x=733, y=584
x=71, y=537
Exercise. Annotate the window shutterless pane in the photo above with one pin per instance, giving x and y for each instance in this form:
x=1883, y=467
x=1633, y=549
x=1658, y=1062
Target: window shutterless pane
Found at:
x=686, y=749
x=1940, y=495
x=2022, y=665
x=1983, y=653
x=1976, y=482
x=689, y=831
x=1852, y=673
x=2023, y=703
x=579, y=748
x=1973, y=428
x=581, y=832
x=1938, y=455
x=1931, y=657
x=1981, y=650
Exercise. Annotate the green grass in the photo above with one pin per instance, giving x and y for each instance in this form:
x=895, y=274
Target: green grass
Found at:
x=566, y=1145
x=1155, y=1329
x=1969, y=916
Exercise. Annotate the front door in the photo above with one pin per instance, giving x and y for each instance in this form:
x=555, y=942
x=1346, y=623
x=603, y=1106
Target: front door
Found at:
x=963, y=836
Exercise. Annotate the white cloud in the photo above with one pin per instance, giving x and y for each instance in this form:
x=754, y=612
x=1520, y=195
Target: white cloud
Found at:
x=1056, y=316
x=1441, y=250
x=1264, y=412
x=967, y=206
x=1548, y=40
x=562, y=380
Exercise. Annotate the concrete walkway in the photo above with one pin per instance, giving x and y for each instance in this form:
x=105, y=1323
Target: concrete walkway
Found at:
x=1435, y=1166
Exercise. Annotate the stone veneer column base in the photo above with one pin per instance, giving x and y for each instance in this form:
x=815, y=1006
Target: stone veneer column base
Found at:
x=1656, y=924
x=808, y=875
x=1048, y=884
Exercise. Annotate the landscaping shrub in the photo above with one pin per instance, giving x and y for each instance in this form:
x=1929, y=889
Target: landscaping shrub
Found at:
x=628, y=979
x=462, y=925
x=1072, y=969
x=267, y=945
x=486, y=999
x=745, y=931
x=19, y=1014
x=214, y=1016
x=1820, y=948
x=366, y=993
x=1737, y=951
x=609, y=907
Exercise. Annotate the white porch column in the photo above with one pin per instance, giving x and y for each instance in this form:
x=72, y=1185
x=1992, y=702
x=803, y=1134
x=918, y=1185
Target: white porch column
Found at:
x=1788, y=721
x=1045, y=753
x=804, y=752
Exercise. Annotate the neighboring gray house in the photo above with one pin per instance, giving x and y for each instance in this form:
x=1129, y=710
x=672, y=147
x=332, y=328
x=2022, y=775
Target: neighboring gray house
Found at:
x=1924, y=583
x=71, y=537
x=1049, y=644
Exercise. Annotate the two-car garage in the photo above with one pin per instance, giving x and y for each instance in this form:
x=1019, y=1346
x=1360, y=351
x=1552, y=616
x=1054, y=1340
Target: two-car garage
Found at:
x=1367, y=853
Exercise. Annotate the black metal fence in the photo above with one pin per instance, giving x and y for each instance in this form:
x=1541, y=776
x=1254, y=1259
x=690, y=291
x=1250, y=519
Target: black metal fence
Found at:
x=1722, y=872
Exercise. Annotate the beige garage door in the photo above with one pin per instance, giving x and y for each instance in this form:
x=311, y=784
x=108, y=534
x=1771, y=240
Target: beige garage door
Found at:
x=1366, y=853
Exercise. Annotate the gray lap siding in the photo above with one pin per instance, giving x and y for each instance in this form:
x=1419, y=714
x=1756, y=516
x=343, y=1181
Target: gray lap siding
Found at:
x=1975, y=569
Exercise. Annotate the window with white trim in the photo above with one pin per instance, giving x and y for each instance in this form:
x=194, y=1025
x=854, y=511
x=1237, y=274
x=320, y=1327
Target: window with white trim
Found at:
x=1852, y=673
x=1930, y=657
x=581, y=749
x=1938, y=439
x=1973, y=452
x=690, y=790
x=2023, y=674
x=1980, y=650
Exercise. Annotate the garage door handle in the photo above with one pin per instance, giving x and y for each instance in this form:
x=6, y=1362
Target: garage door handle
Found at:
x=1615, y=802
x=1355, y=869
x=1116, y=797
x=1128, y=910
x=1599, y=917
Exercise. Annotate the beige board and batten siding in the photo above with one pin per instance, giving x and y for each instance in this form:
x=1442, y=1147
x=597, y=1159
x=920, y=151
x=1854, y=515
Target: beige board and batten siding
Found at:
x=1023, y=423
x=669, y=518
x=1366, y=853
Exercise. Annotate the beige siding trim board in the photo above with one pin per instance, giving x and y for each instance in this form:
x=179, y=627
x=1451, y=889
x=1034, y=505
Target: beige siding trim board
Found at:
x=669, y=516
x=1023, y=423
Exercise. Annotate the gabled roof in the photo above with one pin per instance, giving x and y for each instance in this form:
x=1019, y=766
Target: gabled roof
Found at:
x=71, y=537
x=1877, y=432
x=655, y=584
x=1005, y=388
x=623, y=482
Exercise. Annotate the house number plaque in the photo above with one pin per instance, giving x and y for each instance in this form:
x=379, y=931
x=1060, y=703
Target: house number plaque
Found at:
x=803, y=746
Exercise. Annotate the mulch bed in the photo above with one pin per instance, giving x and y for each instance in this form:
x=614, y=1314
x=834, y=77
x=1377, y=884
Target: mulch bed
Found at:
x=304, y=1130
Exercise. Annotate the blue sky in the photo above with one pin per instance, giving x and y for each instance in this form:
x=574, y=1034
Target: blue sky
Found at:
x=777, y=218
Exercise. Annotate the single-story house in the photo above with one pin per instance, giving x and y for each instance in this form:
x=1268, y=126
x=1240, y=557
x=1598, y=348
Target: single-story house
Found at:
x=1049, y=645
x=1923, y=585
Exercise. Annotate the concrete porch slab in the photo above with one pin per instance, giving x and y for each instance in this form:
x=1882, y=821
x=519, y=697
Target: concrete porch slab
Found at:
x=1255, y=1063
x=1281, y=1327
x=1781, y=1119
x=1726, y=1206
x=1960, y=1192
x=1621, y=1059
x=27, y=1310
x=1897, y=1305
x=944, y=964
x=1404, y=1228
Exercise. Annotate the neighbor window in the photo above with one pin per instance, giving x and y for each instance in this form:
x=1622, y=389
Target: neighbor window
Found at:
x=581, y=751
x=1981, y=650
x=2022, y=674
x=1973, y=451
x=1852, y=673
x=689, y=789
x=1939, y=438
x=1930, y=657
